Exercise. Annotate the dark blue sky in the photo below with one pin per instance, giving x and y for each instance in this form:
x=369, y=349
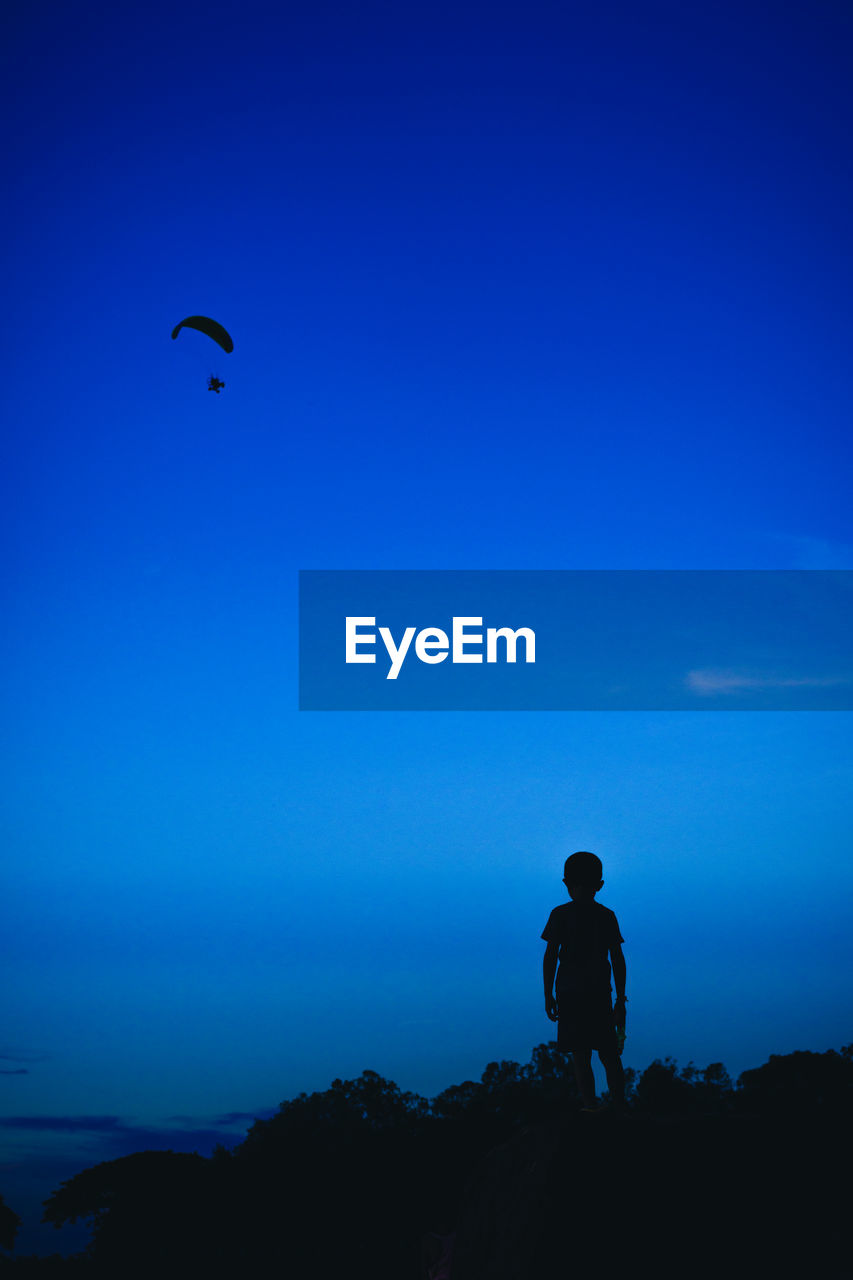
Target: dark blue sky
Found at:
x=510, y=287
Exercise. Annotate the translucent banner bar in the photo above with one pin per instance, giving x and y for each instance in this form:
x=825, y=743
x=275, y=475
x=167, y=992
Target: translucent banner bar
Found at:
x=576, y=640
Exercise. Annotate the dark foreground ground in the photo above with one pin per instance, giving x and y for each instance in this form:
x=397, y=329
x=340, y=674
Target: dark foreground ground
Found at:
x=698, y=1178
x=732, y=1196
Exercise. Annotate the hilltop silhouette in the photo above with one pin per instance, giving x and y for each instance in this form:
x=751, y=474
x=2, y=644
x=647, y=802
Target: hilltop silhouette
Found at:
x=699, y=1174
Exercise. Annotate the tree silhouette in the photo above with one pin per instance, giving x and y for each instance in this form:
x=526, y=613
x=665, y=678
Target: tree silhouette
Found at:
x=801, y=1080
x=349, y=1179
x=152, y=1204
x=9, y=1223
x=662, y=1088
x=367, y=1103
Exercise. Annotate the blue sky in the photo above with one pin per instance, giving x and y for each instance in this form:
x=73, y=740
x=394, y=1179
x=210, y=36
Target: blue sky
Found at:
x=552, y=287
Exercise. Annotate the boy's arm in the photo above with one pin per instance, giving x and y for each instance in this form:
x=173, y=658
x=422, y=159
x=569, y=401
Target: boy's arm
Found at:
x=549, y=969
x=617, y=960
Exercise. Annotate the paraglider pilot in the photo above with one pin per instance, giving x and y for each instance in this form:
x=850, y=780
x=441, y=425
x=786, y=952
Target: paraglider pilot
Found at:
x=213, y=384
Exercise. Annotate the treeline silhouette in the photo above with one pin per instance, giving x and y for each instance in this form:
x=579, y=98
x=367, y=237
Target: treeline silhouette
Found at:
x=700, y=1174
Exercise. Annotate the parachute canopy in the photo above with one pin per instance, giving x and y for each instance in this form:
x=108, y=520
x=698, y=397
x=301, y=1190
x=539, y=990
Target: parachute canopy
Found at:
x=205, y=325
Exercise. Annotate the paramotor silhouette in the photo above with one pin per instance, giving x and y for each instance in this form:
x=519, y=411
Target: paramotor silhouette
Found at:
x=212, y=328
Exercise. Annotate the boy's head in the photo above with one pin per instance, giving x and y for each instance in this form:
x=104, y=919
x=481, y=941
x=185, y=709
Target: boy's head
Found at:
x=582, y=875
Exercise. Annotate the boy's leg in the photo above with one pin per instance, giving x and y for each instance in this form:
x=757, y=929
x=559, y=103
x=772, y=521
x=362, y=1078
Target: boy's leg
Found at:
x=612, y=1064
x=582, y=1059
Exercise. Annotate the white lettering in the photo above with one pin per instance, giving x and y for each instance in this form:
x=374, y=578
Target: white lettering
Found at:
x=432, y=644
x=424, y=643
x=511, y=638
x=396, y=655
x=460, y=639
x=354, y=639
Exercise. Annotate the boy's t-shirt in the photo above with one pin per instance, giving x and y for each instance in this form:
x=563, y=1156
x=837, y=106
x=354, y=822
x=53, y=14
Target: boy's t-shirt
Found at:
x=585, y=931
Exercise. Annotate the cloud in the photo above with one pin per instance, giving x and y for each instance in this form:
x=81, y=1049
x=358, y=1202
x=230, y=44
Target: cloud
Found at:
x=127, y=1139
x=225, y=1121
x=11, y=1056
x=62, y=1124
x=816, y=553
x=710, y=681
x=109, y=1137
x=245, y=1117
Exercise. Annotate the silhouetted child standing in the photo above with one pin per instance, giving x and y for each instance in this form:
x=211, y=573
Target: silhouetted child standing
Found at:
x=580, y=936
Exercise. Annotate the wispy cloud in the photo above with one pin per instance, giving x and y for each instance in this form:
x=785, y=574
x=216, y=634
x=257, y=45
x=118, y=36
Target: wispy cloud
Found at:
x=225, y=1121
x=816, y=553
x=245, y=1117
x=62, y=1124
x=111, y=1136
x=711, y=681
x=11, y=1055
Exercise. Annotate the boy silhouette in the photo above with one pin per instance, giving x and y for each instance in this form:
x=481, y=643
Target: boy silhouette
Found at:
x=580, y=936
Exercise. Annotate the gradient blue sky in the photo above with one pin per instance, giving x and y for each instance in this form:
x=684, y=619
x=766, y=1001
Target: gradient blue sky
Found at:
x=510, y=287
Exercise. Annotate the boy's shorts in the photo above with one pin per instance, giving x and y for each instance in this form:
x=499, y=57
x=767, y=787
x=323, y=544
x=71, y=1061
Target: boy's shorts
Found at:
x=585, y=1022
